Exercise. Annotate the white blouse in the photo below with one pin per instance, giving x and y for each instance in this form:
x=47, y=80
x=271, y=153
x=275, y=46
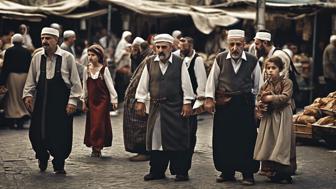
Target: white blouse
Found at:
x=108, y=82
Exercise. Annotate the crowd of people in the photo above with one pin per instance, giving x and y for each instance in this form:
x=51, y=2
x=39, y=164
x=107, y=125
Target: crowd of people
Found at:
x=164, y=86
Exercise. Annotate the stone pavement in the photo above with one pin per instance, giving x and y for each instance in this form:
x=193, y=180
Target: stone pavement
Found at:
x=18, y=167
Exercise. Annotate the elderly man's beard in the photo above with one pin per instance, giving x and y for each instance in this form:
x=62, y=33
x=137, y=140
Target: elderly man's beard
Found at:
x=236, y=54
x=261, y=52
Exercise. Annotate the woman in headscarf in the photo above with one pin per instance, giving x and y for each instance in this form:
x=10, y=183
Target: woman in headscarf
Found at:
x=122, y=59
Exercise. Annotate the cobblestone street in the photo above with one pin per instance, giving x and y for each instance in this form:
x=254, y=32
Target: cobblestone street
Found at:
x=18, y=167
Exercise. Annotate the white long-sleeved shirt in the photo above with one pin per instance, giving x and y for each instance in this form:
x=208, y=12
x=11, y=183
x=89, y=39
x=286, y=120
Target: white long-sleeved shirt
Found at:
x=200, y=72
x=68, y=71
x=212, y=81
x=143, y=88
x=108, y=82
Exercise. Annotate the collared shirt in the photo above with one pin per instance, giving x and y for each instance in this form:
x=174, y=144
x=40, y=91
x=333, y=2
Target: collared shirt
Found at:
x=199, y=69
x=143, y=88
x=68, y=71
x=212, y=81
x=108, y=82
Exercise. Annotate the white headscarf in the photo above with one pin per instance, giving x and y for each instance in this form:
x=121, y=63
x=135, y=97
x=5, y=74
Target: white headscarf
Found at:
x=120, y=49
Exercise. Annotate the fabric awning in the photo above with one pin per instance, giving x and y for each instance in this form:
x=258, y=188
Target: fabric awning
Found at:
x=205, y=19
x=12, y=10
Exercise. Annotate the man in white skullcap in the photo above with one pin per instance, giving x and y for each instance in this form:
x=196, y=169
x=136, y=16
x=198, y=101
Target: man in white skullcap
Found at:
x=177, y=34
x=68, y=44
x=135, y=55
x=233, y=80
x=167, y=81
x=329, y=65
x=13, y=76
x=265, y=49
x=54, y=83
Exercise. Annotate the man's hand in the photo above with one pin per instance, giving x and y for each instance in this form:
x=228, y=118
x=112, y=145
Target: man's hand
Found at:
x=28, y=101
x=140, y=109
x=186, y=110
x=85, y=107
x=114, y=106
x=209, y=105
x=70, y=109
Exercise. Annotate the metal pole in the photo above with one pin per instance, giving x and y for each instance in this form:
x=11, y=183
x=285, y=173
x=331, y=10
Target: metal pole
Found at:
x=109, y=17
x=311, y=82
x=260, y=16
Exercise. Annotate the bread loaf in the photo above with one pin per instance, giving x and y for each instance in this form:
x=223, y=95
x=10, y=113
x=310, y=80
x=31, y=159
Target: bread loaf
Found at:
x=326, y=120
x=305, y=119
x=312, y=111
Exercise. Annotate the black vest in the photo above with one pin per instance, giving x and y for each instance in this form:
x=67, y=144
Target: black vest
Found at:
x=192, y=74
x=229, y=81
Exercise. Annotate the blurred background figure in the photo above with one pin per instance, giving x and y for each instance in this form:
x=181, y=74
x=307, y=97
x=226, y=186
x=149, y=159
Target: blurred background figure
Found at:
x=27, y=41
x=13, y=76
x=329, y=65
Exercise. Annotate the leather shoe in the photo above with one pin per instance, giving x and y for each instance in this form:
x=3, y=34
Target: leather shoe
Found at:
x=42, y=165
x=151, y=176
x=222, y=178
x=181, y=178
x=139, y=157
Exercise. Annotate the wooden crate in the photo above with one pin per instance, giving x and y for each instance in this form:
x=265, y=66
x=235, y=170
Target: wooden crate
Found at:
x=303, y=131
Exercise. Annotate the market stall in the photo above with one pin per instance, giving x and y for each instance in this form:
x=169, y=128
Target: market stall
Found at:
x=318, y=120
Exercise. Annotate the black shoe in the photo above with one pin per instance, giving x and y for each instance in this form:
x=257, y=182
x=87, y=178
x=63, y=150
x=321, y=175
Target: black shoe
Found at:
x=151, y=176
x=222, y=178
x=181, y=178
x=60, y=172
x=42, y=165
x=282, y=180
x=248, y=181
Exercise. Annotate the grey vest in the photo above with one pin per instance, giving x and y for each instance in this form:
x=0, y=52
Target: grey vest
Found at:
x=164, y=86
x=229, y=81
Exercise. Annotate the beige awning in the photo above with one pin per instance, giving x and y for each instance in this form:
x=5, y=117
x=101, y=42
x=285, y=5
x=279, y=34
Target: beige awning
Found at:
x=205, y=19
x=14, y=10
x=86, y=15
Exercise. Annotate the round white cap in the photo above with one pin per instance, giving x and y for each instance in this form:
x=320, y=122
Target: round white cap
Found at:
x=164, y=38
x=17, y=38
x=68, y=33
x=138, y=41
x=50, y=31
x=265, y=36
x=236, y=33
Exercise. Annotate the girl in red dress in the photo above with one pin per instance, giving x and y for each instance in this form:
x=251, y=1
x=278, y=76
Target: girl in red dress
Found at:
x=99, y=92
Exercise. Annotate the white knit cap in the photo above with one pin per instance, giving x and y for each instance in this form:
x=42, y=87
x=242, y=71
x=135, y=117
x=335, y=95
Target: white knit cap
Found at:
x=138, y=41
x=50, y=31
x=56, y=26
x=236, y=33
x=265, y=36
x=164, y=38
x=68, y=33
x=176, y=33
x=17, y=38
x=332, y=38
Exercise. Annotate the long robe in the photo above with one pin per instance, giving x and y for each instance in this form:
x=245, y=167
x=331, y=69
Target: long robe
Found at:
x=98, y=130
x=274, y=142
